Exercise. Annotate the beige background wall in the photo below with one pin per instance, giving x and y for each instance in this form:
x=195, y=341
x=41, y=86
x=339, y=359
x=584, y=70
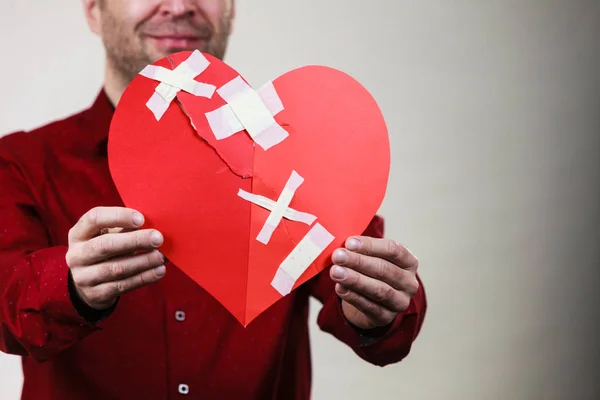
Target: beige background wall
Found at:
x=494, y=115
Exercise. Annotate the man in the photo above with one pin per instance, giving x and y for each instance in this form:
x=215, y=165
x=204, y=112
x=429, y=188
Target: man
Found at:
x=95, y=319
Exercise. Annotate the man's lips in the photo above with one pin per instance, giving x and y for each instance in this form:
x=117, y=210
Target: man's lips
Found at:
x=177, y=41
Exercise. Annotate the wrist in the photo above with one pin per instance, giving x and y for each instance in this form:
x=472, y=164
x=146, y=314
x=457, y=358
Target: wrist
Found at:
x=90, y=314
x=367, y=331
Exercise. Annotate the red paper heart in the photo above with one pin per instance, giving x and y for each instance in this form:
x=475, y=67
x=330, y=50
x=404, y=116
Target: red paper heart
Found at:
x=186, y=183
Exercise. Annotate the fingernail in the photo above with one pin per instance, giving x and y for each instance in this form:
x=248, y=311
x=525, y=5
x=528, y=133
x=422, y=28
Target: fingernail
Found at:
x=138, y=219
x=160, y=271
x=353, y=244
x=340, y=256
x=156, y=238
x=342, y=289
x=339, y=272
x=162, y=256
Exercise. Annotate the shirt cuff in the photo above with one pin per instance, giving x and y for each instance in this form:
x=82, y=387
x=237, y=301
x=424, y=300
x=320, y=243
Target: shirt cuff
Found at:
x=367, y=336
x=91, y=315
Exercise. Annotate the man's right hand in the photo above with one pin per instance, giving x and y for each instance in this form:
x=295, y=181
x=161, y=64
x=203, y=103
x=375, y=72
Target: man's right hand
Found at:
x=102, y=259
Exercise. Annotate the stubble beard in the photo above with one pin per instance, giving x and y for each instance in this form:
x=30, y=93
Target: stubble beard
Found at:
x=128, y=54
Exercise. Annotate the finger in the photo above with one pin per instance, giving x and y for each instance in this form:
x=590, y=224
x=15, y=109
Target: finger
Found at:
x=388, y=249
x=375, y=267
x=112, y=245
x=375, y=312
x=118, y=268
x=110, y=290
x=94, y=221
x=379, y=292
x=104, y=231
x=120, y=230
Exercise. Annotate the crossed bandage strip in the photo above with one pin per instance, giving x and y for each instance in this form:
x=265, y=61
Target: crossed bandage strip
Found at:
x=173, y=81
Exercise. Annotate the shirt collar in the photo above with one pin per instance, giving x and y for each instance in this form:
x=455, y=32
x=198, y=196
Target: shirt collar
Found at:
x=96, y=121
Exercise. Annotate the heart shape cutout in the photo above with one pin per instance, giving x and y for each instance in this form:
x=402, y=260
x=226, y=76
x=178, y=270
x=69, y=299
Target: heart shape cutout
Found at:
x=191, y=186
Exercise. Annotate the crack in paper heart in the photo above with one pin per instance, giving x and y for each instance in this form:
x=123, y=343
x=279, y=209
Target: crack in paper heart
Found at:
x=229, y=165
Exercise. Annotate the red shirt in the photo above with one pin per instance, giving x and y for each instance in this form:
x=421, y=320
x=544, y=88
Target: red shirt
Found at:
x=163, y=340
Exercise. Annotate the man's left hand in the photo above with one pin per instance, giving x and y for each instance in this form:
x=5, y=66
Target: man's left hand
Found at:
x=376, y=279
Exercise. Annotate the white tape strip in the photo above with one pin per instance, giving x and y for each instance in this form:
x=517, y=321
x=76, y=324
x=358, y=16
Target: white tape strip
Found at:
x=268, y=204
x=172, y=81
x=249, y=110
x=223, y=122
x=283, y=202
x=303, y=255
x=158, y=105
x=269, y=96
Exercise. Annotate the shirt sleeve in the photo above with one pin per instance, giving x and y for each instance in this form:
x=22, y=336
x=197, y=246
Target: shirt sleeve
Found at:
x=380, y=346
x=37, y=317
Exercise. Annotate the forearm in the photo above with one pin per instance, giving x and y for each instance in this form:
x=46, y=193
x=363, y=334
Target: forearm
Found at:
x=37, y=315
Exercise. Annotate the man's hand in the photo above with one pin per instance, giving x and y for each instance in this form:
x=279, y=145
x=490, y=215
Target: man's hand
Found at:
x=102, y=259
x=376, y=279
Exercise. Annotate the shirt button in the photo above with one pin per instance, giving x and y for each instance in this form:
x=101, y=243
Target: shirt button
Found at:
x=180, y=316
x=184, y=389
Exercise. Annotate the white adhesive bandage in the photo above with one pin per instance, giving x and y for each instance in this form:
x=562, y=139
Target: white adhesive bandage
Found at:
x=303, y=255
x=278, y=209
x=172, y=81
x=249, y=110
x=268, y=204
x=283, y=202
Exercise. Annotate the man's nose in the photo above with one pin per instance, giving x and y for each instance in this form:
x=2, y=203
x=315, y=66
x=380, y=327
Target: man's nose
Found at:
x=178, y=8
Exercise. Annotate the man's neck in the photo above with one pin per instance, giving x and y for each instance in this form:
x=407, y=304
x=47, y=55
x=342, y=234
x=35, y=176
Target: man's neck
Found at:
x=114, y=84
